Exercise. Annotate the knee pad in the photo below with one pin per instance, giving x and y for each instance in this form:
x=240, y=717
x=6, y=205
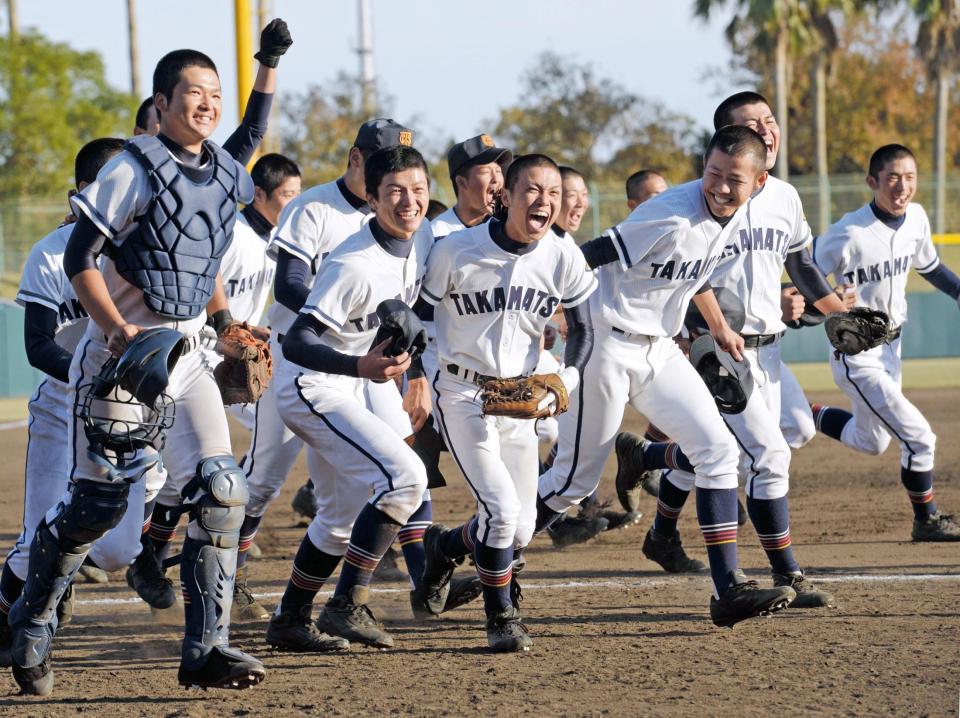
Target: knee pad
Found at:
x=219, y=510
x=94, y=509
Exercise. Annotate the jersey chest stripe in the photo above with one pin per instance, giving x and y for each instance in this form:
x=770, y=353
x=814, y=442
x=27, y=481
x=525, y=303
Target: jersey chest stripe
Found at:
x=623, y=246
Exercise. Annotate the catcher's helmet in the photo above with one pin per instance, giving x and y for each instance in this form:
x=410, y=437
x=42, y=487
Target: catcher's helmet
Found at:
x=124, y=407
x=731, y=306
x=728, y=380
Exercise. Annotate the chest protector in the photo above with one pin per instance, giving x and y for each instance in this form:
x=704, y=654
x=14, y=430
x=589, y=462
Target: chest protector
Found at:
x=174, y=254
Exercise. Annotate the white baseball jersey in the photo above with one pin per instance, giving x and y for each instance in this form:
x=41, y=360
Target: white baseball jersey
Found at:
x=863, y=251
x=446, y=223
x=247, y=273
x=492, y=305
x=751, y=265
x=112, y=202
x=667, y=249
x=44, y=282
x=310, y=227
x=354, y=279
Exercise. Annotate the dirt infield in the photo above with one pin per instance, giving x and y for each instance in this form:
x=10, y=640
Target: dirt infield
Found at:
x=613, y=634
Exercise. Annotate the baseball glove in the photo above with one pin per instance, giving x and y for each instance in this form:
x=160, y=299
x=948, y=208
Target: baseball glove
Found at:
x=858, y=330
x=400, y=324
x=247, y=366
x=533, y=397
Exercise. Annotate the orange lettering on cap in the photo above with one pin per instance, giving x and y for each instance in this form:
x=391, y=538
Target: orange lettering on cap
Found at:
x=486, y=140
x=406, y=138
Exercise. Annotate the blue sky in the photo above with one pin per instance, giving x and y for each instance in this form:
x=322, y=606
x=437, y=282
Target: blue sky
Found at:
x=451, y=64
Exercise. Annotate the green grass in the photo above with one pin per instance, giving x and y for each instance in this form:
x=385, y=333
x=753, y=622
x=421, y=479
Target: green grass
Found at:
x=917, y=374
x=13, y=409
x=949, y=255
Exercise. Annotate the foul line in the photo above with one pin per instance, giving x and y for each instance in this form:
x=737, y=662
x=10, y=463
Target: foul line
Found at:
x=638, y=583
x=14, y=424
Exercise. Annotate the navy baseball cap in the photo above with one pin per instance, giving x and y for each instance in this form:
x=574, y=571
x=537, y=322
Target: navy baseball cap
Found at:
x=382, y=132
x=479, y=150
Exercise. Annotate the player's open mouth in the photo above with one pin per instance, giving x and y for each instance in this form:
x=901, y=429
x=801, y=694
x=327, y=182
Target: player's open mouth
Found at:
x=720, y=200
x=538, y=219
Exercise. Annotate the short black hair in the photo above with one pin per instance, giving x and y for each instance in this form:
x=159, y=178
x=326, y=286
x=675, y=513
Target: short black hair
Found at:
x=567, y=172
x=435, y=209
x=391, y=159
x=168, y=70
x=888, y=153
x=524, y=162
x=93, y=156
x=736, y=141
x=273, y=170
x=142, y=112
x=636, y=180
x=724, y=112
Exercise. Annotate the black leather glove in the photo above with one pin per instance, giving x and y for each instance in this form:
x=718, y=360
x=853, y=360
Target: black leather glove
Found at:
x=274, y=41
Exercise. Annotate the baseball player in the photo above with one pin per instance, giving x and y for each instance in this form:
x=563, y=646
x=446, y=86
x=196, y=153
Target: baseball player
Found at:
x=494, y=287
x=644, y=185
x=116, y=250
x=873, y=249
x=247, y=273
x=665, y=251
x=54, y=322
x=774, y=235
x=373, y=482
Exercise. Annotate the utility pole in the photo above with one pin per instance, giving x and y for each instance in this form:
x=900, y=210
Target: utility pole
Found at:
x=365, y=55
x=13, y=19
x=134, y=49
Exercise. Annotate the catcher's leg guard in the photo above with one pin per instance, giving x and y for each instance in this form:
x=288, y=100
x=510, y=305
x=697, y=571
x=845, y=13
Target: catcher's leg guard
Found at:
x=217, y=494
x=59, y=547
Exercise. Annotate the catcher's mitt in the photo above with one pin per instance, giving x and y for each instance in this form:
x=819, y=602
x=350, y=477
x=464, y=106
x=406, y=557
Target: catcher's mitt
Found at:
x=247, y=366
x=858, y=330
x=525, y=398
x=400, y=324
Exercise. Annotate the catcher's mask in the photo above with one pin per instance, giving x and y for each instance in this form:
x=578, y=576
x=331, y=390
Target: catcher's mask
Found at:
x=124, y=407
x=729, y=381
x=730, y=305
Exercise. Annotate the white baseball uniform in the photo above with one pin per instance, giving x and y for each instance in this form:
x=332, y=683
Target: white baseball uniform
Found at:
x=666, y=248
x=44, y=282
x=365, y=458
x=863, y=251
x=491, y=307
x=309, y=228
x=796, y=419
x=751, y=267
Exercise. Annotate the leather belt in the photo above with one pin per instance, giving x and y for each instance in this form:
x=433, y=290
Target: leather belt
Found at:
x=468, y=374
x=752, y=341
x=629, y=335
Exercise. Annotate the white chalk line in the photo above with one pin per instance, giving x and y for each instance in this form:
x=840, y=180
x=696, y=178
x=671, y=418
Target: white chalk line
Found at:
x=14, y=424
x=633, y=584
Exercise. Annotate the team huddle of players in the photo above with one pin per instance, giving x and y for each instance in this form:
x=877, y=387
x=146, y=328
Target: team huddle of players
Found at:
x=158, y=242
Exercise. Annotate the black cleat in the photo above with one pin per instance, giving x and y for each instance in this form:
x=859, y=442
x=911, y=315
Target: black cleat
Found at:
x=304, y=502
x=630, y=470
x=36, y=681
x=354, y=621
x=65, y=607
x=295, y=631
x=936, y=527
x=145, y=576
x=462, y=591
x=245, y=607
x=506, y=633
x=225, y=668
x=743, y=599
x=808, y=596
x=669, y=553
x=570, y=530
x=437, y=571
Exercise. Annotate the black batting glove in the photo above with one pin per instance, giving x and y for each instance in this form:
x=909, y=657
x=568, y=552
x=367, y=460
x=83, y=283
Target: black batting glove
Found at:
x=274, y=41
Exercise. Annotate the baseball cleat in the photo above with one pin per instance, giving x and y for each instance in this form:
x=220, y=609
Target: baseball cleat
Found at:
x=506, y=632
x=516, y=593
x=65, y=607
x=437, y=571
x=570, y=530
x=245, y=606
x=353, y=621
x=36, y=681
x=620, y=519
x=629, y=450
x=650, y=482
x=304, y=502
x=89, y=573
x=254, y=552
x=669, y=553
x=389, y=569
x=808, y=596
x=462, y=591
x=743, y=599
x=937, y=527
x=145, y=576
x=295, y=631
x=225, y=667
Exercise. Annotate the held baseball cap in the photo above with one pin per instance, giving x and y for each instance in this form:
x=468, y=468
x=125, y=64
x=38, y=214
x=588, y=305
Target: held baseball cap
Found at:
x=382, y=132
x=478, y=150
